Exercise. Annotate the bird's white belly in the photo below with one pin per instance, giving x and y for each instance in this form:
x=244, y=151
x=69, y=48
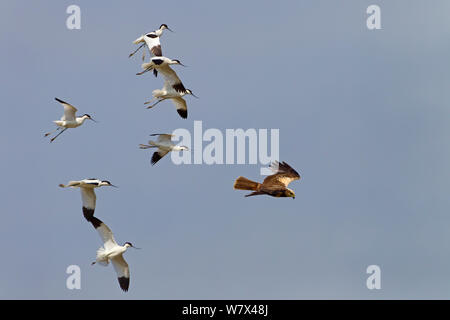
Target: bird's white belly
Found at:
x=66, y=124
x=173, y=94
x=164, y=146
x=158, y=93
x=114, y=252
x=87, y=185
x=166, y=94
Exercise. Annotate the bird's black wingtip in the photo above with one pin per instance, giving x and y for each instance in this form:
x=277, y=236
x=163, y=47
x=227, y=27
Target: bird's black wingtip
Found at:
x=124, y=283
x=61, y=101
x=95, y=222
x=88, y=213
x=155, y=158
x=182, y=113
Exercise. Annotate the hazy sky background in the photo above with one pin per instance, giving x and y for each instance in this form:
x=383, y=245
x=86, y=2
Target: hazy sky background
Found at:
x=363, y=116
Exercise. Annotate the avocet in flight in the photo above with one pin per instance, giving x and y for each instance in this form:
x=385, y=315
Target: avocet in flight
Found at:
x=157, y=63
x=68, y=120
x=151, y=39
x=112, y=252
x=164, y=145
x=173, y=89
x=88, y=196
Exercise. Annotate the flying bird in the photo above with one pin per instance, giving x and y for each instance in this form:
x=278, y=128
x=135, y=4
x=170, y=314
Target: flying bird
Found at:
x=274, y=185
x=157, y=63
x=164, y=145
x=112, y=252
x=68, y=120
x=173, y=89
x=88, y=196
x=151, y=39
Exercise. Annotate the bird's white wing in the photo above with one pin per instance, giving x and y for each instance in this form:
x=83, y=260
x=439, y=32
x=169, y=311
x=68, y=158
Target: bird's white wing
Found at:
x=122, y=270
x=181, y=106
x=153, y=44
x=165, y=137
x=167, y=87
x=105, y=233
x=172, y=82
x=88, y=197
x=69, y=111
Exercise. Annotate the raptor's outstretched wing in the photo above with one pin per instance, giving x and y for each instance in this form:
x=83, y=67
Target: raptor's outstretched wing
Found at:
x=284, y=174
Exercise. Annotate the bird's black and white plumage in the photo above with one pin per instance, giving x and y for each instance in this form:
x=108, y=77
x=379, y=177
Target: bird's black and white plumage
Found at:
x=171, y=80
x=274, y=185
x=158, y=63
x=164, y=144
x=151, y=39
x=68, y=120
x=88, y=196
x=112, y=252
x=173, y=89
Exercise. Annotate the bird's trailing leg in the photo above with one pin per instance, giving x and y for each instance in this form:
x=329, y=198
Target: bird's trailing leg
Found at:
x=142, y=72
x=132, y=54
x=151, y=106
x=70, y=184
x=52, y=139
x=49, y=133
x=147, y=102
x=146, y=146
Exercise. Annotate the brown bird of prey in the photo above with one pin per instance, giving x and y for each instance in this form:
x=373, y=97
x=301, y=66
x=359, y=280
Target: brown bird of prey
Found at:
x=274, y=185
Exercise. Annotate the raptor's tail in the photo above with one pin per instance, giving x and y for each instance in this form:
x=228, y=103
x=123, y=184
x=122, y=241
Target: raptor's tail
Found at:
x=242, y=183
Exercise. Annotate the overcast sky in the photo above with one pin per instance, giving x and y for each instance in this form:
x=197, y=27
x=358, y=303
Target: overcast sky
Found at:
x=363, y=116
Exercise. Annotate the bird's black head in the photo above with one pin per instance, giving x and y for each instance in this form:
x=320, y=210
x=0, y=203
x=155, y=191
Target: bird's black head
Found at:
x=107, y=183
x=129, y=244
x=176, y=61
x=164, y=26
x=89, y=117
x=189, y=91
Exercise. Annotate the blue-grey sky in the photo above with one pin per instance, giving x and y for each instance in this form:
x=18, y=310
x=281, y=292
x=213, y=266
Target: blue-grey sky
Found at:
x=363, y=116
